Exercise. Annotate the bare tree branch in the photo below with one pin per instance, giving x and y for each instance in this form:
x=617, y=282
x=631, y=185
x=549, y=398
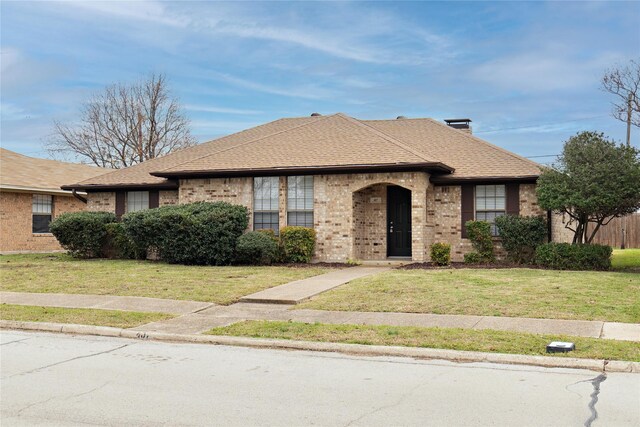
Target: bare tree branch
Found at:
x=125, y=125
x=624, y=83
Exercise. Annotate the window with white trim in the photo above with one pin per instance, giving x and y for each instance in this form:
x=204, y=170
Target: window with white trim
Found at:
x=490, y=203
x=42, y=211
x=137, y=201
x=300, y=201
x=265, y=203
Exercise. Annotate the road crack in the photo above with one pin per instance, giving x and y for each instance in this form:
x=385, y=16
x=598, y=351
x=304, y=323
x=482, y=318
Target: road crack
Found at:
x=595, y=382
x=67, y=360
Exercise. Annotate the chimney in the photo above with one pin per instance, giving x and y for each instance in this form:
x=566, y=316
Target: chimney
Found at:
x=460, y=124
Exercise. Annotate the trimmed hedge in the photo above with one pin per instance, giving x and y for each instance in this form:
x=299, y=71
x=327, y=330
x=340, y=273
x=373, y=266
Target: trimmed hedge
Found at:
x=297, y=243
x=479, y=232
x=256, y=247
x=196, y=233
x=118, y=244
x=521, y=235
x=83, y=234
x=563, y=256
x=441, y=253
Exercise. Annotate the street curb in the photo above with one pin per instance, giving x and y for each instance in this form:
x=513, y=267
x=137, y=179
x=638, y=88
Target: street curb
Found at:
x=351, y=349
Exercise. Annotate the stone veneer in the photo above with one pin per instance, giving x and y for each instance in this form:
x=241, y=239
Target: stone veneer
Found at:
x=350, y=211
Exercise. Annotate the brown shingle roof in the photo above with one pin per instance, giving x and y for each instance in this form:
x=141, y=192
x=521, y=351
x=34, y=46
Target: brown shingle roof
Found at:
x=331, y=142
x=22, y=172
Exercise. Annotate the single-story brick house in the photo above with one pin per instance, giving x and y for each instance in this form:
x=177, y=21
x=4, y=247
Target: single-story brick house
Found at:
x=371, y=189
x=30, y=197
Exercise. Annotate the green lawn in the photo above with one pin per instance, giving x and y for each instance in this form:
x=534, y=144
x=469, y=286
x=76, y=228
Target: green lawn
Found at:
x=522, y=292
x=445, y=338
x=626, y=259
x=59, y=273
x=81, y=316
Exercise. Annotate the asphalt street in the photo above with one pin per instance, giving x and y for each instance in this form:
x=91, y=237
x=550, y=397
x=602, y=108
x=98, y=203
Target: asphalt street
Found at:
x=54, y=379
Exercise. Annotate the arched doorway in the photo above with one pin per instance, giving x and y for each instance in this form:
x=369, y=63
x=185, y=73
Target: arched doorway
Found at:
x=382, y=222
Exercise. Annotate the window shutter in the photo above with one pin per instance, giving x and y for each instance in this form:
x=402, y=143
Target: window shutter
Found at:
x=120, y=202
x=154, y=199
x=467, y=206
x=513, y=199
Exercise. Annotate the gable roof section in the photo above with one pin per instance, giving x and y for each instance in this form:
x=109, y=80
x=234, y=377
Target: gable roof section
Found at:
x=139, y=175
x=331, y=144
x=19, y=172
x=470, y=156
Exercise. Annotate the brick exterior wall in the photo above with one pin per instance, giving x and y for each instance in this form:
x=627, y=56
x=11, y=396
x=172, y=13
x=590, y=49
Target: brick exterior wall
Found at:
x=168, y=197
x=101, y=202
x=16, y=222
x=350, y=211
x=559, y=233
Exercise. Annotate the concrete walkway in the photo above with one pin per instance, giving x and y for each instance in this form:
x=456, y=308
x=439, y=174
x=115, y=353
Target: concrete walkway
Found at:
x=300, y=290
x=196, y=317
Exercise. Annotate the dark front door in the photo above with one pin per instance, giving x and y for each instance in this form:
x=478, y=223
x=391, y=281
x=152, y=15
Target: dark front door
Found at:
x=398, y=221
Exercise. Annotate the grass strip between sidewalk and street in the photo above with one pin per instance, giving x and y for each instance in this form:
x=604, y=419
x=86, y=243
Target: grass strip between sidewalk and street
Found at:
x=442, y=338
x=80, y=316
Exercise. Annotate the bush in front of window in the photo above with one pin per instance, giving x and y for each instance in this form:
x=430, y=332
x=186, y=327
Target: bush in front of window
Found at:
x=196, y=233
x=83, y=234
x=441, y=254
x=479, y=232
x=564, y=256
x=256, y=248
x=118, y=244
x=297, y=243
x=521, y=235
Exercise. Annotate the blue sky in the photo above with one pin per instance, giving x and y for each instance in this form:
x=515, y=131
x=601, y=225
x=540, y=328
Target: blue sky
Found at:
x=526, y=73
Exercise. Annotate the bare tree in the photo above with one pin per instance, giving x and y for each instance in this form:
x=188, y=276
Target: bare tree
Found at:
x=624, y=83
x=125, y=125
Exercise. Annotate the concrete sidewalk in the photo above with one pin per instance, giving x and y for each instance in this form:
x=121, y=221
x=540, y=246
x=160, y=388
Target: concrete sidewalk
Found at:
x=104, y=302
x=196, y=317
x=300, y=290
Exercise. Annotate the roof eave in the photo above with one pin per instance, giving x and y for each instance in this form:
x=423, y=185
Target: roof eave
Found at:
x=450, y=180
x=433, y=167
x=36, y=190
x=170, y=185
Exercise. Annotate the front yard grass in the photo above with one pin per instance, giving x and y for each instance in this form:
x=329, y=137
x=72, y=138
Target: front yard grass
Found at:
x=626, y=259
x=81, y=316
x=60, y=273
x=445, y=338
x=521, y=292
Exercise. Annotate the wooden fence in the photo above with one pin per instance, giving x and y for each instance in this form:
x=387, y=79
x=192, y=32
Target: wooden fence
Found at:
x=611, y=234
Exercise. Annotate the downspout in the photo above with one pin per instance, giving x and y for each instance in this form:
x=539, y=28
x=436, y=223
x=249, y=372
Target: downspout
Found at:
x=79, y=197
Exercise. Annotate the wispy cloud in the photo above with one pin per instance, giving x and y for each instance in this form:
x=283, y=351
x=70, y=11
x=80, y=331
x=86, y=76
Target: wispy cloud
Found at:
x=223, y=110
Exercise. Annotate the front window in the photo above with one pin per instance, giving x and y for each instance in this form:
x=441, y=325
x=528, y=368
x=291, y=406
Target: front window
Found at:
x=490, y=203
x=300, y=201
x=265, y=203
x=137, y=201
x=41, y=208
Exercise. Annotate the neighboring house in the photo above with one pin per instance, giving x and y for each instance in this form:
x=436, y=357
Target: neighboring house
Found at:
x=371, y=189
x=30, y=197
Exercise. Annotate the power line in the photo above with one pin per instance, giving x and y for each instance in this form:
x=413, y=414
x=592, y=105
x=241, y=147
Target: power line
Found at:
x=540, y=124
x=544, y=155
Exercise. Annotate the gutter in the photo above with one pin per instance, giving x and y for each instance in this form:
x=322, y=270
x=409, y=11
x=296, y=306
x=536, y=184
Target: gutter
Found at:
x=37, y=190
x=434, y=167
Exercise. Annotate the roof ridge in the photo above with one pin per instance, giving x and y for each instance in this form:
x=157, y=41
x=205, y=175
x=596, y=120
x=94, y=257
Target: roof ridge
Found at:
x=475, y=138
x=40, y=159
x=386, y=136
x=246, y=142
